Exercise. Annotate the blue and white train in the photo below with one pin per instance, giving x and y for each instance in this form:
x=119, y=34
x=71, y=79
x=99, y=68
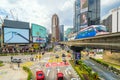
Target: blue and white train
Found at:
x=91, y=31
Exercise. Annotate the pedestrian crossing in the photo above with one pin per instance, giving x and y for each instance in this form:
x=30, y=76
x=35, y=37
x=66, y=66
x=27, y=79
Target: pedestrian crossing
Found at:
x=51, y=60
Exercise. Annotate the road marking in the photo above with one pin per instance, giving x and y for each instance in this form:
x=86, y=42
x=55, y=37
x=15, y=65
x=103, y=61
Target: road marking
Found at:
x=65, y=72
x=69, y=72
x=54, y=64
x=58, y=70
x=48, y=72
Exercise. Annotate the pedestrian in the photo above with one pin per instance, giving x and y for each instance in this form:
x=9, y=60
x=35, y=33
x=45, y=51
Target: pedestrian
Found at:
x=11, y=58
x=18, y=64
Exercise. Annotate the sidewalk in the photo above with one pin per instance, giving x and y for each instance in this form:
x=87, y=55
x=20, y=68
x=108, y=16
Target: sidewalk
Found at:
x=7, y=73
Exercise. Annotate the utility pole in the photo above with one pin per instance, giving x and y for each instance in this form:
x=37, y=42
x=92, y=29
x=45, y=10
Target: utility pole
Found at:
x=2, y=29
x=1, y=32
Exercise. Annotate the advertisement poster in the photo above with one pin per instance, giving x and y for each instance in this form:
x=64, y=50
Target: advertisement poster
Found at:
x=83, y=19
x=39, y=40
x=77, y=56
x=84, y=5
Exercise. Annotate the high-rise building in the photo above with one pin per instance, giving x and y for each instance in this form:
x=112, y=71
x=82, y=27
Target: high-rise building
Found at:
x=86, y=13
x=61, y=32
x=76, y=15
x=55, y=28
x=112, y=20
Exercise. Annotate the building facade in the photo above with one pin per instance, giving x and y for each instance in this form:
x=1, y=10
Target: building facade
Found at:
x=108, y=22
x=61, y=32
x=39, y=33
x=86, y=13
x=76, y=19
x=112, y=20
x=55, y=28
x=68, y=32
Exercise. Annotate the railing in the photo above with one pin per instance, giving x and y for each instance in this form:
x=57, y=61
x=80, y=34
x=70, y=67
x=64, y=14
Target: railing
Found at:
x=111, y=41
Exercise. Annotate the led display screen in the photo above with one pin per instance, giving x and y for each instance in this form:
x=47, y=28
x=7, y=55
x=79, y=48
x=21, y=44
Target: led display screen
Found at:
x=84, y=5
x=77, y=56
x=14, y=35
x=38, y=40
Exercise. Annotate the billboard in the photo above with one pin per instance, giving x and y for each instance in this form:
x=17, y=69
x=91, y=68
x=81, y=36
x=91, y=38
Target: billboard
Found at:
x=14, y=35
x=84, y=5
x=83, y=19
x=39, y=40
x=77, y=56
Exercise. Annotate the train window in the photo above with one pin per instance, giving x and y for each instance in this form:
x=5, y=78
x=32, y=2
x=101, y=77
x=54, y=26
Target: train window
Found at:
x=101, y=29
x=90, y=29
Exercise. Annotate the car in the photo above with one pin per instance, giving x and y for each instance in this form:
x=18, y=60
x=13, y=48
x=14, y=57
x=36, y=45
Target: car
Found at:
x=16, y=60
x=63, y=59
x=60, y=76
x=69, y=55
x=63, y=55
x=56, y=56
x=40, y=75
x=74, y=79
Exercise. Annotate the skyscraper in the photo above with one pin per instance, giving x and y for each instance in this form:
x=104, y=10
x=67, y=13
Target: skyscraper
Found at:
x=86, y=13
x=55, y=28
x=61, y=32
x=76, y=15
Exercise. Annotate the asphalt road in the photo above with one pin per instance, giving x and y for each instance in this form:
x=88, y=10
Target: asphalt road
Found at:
x=51, y=72
x=102, y=72
x=8, y=58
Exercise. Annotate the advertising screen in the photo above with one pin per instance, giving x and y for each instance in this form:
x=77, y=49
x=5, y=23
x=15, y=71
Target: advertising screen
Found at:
x=14, y=35
x=38, y=40
x=77, y=56
x=84, y=5
x=83, y=19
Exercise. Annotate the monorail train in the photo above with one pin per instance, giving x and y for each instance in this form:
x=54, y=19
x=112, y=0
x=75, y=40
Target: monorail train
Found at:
x=91, y=31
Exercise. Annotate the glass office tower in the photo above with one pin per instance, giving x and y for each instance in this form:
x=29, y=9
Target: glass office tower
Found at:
x=89, y=13
x=94, y=12
x=76, y=15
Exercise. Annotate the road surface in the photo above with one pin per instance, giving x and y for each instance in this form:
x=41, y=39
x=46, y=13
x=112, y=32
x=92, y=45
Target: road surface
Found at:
x=102, y=72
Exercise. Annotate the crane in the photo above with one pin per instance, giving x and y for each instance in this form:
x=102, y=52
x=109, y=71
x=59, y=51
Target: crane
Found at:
x=13, y=16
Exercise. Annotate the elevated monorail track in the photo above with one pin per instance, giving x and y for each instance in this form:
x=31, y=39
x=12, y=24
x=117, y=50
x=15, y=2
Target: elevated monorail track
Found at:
x=108, y=41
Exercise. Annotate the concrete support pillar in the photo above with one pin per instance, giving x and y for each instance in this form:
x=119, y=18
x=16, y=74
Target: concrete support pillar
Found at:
x=76, y=53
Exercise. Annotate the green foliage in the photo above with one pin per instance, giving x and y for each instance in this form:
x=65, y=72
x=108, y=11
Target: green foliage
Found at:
x=76, y=69
x=1, y=63
x=84, y=71
x=30, y=75
x=68, y=51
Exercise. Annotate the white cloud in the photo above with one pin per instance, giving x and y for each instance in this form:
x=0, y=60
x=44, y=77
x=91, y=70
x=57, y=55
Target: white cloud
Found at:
x=40, y=11
x=106, y=3
x=66, y=27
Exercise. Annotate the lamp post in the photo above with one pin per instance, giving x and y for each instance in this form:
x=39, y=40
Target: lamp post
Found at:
x=2, y=22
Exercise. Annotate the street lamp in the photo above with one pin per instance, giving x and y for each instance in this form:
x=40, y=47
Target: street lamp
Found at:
x=2, y=22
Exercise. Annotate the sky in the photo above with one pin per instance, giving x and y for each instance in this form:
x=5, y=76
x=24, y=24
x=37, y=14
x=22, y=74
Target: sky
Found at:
x=41, y=11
